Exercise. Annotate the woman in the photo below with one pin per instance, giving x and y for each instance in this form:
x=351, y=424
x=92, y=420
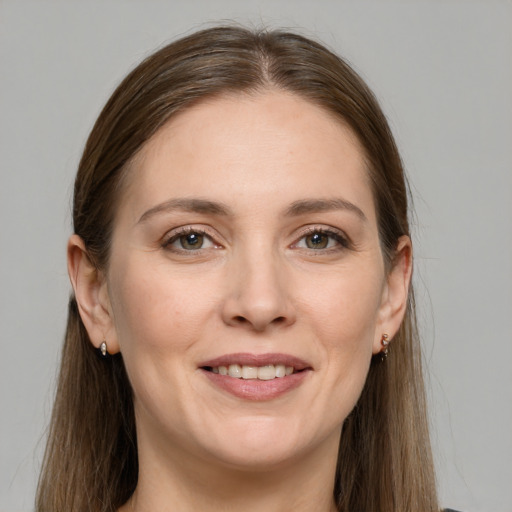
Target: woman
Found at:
x=242, y=329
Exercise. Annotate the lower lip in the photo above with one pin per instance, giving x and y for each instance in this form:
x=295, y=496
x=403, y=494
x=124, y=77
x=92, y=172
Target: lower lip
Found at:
x=254, y=389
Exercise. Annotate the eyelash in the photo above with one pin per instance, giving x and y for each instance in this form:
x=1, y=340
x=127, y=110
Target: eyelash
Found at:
x=174, y=236
x=341, y=240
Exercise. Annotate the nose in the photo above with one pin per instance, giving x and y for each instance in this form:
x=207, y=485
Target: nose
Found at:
x=259, y=294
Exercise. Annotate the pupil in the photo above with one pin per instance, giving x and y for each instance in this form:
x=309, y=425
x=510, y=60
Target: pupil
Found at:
x=317, y=240
x=191, y=241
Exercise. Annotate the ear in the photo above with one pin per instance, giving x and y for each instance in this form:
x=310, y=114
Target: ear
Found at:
x=92, y=297
x=395, y=293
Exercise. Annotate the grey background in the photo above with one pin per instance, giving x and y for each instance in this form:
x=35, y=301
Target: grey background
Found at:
x=443, y=71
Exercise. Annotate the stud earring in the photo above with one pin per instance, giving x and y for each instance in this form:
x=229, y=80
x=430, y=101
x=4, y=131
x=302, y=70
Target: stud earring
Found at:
x=385, y=344
x=103, y=348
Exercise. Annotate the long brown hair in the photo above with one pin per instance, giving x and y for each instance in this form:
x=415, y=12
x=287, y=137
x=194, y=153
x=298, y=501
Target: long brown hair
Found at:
x=384, y=461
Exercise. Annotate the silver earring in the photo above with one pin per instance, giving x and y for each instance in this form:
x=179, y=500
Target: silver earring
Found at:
x=385, y=344
x=103, y=348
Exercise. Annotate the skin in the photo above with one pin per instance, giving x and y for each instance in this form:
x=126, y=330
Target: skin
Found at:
x=254, y=286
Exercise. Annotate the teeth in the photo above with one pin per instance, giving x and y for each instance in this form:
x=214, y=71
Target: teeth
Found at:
x=281, y=370
x=249, y=372
x=267, y=372
x=235, y=370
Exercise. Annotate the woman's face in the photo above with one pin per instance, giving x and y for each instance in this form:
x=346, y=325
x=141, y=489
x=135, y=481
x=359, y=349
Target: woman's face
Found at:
x=246, y=242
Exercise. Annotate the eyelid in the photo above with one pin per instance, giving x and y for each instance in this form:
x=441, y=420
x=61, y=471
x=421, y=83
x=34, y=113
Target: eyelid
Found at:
x=174, y=234
x=343, y=241
x=337, y=234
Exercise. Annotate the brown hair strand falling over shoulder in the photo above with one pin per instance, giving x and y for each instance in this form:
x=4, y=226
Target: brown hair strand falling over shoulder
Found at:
x=90, y=463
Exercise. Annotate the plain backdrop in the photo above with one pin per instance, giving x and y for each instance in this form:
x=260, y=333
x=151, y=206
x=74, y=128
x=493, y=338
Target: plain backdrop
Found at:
x=443, y=72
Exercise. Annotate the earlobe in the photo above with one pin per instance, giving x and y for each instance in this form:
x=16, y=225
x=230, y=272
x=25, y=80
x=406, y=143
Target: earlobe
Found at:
x=91, y=294
x=395, y=295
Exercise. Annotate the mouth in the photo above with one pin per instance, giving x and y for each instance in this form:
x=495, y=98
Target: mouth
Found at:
x=266, y=372
x=256, y=376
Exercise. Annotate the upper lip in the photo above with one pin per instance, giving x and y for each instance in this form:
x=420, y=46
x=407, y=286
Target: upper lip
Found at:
x=247, y=359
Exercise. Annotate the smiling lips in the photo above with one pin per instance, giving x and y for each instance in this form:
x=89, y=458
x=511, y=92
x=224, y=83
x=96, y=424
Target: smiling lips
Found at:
x=267, y=372
x=256, y=377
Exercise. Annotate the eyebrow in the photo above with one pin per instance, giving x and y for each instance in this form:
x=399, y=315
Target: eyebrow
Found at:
x=206, y=206
x=194, y=205
x=323, y=205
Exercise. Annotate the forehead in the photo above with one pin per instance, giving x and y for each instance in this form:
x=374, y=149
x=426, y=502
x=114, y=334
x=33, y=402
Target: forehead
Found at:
x=271, y=147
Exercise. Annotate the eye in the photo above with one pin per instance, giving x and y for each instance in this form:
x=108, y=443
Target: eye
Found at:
x=188, y=240
x=191, y=241
x=318, y=239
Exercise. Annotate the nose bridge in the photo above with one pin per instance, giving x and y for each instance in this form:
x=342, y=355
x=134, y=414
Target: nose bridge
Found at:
x=259, y=294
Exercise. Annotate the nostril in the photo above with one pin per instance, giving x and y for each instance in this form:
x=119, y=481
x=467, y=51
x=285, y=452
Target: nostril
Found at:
x=242, y=320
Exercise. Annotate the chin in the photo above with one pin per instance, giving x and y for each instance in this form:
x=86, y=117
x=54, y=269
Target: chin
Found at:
x=261, y=443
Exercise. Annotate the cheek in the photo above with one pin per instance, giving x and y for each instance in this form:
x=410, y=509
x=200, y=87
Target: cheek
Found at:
x=345, y=322
x=346, y=308
x=154, y=310
x=159, y=316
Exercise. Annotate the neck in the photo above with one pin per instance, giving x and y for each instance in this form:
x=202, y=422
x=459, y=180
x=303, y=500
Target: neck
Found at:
x=301, y=485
